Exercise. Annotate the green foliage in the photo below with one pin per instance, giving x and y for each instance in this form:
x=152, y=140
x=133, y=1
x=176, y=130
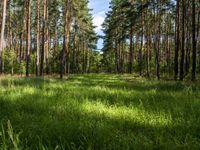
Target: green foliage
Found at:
x=95, y=62
x=11, y=64
x=99, y=112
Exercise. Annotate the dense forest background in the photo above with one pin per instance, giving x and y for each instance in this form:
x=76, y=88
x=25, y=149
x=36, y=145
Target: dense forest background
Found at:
x=45, y=37
x=156, y=37
x=149, y=37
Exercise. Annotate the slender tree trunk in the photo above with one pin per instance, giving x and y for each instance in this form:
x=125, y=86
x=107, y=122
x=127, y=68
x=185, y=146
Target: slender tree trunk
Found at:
x=77, y=55
x=74, y=51
x=43, y=50
x=177, y=40
x=131, y=51
x=55, y=38
x=38, y=39
x=20, y=51
x=148, y=53
x=168, y=46
x=141, y=45
x=2, y=34
x=66, y=39
x=28, y=43
x=197, y=36
x=46, y=36
x=187, y=59
x=1, y=18
x=158, y=51
x=10, y=42
x=183, y=42
x=88, y=61
x=42, y=53
x=116, y=57
x=63, y=59
x=193, y=41
x=122, y=57
x=10, y=26
x=83, y=66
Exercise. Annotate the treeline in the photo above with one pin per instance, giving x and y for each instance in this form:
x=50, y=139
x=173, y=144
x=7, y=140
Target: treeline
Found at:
x=153, y=37
x=150, y=37
x=47, y=36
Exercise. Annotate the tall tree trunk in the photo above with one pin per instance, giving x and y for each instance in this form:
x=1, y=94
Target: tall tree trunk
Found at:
x=122, y=57
x=83, y=66
x=187, y=58
x=44, y=38
x=74, y=51
x=176, y=57
x=28, y=43
x=63, y=59
x=141, y=44
x=38, y=39
x=46, y=16
x=20, y=52
x=55, y=39
x=2, y=34
x=130, y=68
x=168, y=46
x=183, y=42
x=193, y=41
x=148, y=54
x=10, y=42
x=42, y=52
x=158, y=50
x=120, y=54
x=116, y=57
x=67, y=32
x=88, y=60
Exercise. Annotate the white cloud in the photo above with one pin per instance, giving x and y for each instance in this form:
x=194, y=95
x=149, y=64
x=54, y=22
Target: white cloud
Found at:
x=98, y=20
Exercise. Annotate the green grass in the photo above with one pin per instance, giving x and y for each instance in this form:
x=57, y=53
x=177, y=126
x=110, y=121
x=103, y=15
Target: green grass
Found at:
x=118, y=112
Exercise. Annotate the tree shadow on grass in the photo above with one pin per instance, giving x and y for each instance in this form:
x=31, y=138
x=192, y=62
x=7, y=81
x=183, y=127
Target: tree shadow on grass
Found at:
x=140, y=86
x=133, y=83
x=36, y=82
x=115, y=91
x=58, y=120
x=110, y=81
x=71, y=123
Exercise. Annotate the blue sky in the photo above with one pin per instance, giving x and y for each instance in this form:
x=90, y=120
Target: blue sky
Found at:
x=100, y=7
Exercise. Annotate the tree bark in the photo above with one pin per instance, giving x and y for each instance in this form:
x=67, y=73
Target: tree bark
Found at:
x=131, y=51
x=66, y=39
x=183, y=42
x=193, y=41
x=2, y=34
x=28, y=43
x=176, y=57
x=38, y=39
x=47, y=35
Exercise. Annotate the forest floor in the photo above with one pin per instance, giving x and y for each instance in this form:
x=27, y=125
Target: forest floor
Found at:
x=102, y=111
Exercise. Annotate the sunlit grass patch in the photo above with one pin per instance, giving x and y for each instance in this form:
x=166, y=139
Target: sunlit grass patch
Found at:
x=132, y=114
x=100, y=112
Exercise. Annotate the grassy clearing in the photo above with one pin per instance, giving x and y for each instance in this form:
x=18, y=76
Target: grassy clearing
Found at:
x=99, y=112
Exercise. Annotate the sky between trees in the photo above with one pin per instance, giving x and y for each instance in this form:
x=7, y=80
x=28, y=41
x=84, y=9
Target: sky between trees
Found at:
x=100, y=8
